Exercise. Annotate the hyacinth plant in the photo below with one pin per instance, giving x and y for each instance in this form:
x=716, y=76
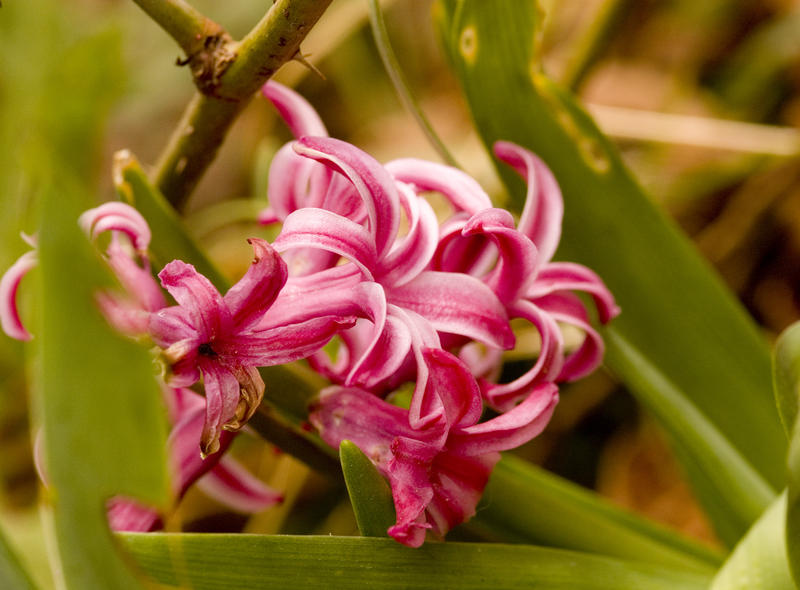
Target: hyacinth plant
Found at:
x=368, y=336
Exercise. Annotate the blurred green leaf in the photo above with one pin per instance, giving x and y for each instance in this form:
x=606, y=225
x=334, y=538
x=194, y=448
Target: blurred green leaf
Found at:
x=759, y=560
x=526, y=504
x=12, y=575
x=103, y=422
x=206, y=562
x=682, y=343
x=786, y=375
x=369, y=493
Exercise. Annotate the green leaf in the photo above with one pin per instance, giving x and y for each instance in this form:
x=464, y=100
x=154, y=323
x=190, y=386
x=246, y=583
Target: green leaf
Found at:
x=103, y=423
x=12, y=575
x=682, y=342
x=206, y=562
x=369, y=493
x=526, y=504
x=759, y=560
x=786, y=375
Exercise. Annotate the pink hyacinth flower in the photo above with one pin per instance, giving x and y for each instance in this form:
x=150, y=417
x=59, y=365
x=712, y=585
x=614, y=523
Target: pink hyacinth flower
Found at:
x=217, y=337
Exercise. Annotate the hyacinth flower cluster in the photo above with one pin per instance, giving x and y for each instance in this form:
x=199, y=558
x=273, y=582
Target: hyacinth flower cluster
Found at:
x=434, y=304
x=411, y=299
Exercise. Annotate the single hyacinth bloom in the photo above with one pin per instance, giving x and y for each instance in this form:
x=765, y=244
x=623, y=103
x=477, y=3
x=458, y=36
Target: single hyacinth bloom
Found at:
x=217, y=338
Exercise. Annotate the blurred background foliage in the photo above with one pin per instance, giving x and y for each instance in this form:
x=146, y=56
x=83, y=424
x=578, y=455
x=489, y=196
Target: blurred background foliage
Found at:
x=703, y=99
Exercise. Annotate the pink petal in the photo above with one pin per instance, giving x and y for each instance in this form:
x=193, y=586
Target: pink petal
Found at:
x=222, y=398
x=283, y=344
x=295, y=182
x=368, y=177
x=515, y=427
x=199, y=300
x=255, y=292
x=295, y=110
x=230, y=484
x=318, y=228
x=568, y=309
x=126, y=515
x=120, y=217
x=458, y=482
x=459, y=304
x=461, y=190
x=451, y=387
x=9, y=285
x=568, y=276
x=408, y=473
x=516, y=265
x=136, y=281
x=544, y=206
x=412, y=254
x=473, y=255
x=381, y=358
x=547, y=367
x=124, y=315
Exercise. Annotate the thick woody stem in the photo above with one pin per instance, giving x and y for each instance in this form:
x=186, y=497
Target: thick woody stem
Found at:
x=227, y=75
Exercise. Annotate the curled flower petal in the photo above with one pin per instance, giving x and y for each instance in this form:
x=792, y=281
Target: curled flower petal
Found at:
x=459, y=304
x=568, y=309
x=136, y=280
x=119, y=217
x=230, y=484
x=461, y=189
x=9, y=285
x=255, y=292
x=368, y=177
x=510, y=429
x=129, y=516
x=544, y=207
x=546, y=368
x=318, y=228
x=568, y=276
x=412, y=254
x=450, y=386
x=516, y=265
x=295, y=110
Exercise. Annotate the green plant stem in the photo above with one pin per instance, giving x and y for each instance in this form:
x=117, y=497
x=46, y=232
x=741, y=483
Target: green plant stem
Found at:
x=231, y=74
x=181, y=21
x=399, y=82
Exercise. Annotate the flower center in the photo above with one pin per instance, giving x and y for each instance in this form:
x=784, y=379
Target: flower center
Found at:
x=206, y=350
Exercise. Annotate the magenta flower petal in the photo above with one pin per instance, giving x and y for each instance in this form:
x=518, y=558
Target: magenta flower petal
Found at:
x=368, y=177
x=295, y=110
x=126, y=515
x=516, y=265
x=568, y=309
x=9, y=285
x=198, y=297
x=136, y=280
x=547, y=366
x=450, y=386
x=511, y=429
x=412, y=254
x=119, y=217
x=568, y=276
x=459, y=304
x=382, y=358
x=544, y=206
x=222, y=399
x=318, y=228
x=284, y=344
x=230, y=484
x=250, y=297
x=459, y=188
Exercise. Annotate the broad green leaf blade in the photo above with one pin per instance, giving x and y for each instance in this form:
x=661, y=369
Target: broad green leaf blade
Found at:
x=102, y=416
x=526, y=504
x=677, y=318
x=12, y=575
x=369, y=493
x=786, y=375
x=211, y=562
x=759, y=561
